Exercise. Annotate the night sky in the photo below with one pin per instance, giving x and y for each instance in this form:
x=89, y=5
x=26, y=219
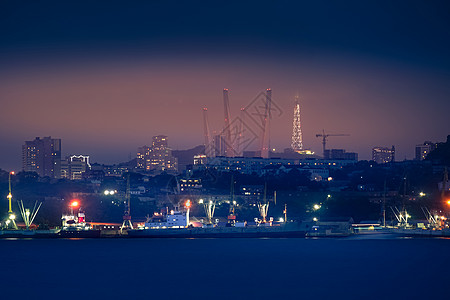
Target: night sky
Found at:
x=107, y=76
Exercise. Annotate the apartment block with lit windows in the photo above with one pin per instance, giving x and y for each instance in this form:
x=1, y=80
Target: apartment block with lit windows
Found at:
x=43, y=156
x=383, y=155
x=157, y=157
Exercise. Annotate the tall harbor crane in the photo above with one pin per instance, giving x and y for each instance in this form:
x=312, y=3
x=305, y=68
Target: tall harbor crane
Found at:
x=229, y=150
x=11, y=216
x=325, y=136
x=127, y=215
x=207, y=135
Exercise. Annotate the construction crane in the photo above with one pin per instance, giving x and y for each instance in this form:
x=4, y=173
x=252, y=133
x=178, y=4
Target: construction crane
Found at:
x=325, y=136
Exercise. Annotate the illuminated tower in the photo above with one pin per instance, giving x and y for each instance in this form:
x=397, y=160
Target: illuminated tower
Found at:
x=297, y=143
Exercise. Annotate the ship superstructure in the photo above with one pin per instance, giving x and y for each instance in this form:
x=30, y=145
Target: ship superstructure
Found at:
x=174, y=219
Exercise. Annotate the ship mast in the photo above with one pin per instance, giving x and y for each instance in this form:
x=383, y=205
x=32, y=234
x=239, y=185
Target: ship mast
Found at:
x=232, y=216
x=264, y=207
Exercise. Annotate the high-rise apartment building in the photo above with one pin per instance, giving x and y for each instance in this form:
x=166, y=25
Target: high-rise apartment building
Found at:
x=74, y=166
x=423, y=150
x=157, y=157
x=143, y=155
x=383, y=155
x=43, y=156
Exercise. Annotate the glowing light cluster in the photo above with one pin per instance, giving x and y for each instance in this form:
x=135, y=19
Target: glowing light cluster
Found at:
x=188, y=204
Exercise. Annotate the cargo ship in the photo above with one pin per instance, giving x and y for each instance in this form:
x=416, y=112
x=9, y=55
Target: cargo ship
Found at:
x=74, y=224
x=175, y=224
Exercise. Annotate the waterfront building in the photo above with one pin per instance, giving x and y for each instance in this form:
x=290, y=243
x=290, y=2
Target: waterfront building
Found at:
x=43, y=156
x=74, y=166
x=383, y=155
x=424, y=149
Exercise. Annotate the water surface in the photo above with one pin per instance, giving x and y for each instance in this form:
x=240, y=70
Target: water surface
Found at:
x=225, y=269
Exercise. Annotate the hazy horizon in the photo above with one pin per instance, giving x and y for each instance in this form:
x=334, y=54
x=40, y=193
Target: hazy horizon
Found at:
x=107, y=77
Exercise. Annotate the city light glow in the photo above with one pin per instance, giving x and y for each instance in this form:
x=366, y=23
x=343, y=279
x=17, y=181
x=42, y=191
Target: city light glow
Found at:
x=109, y=192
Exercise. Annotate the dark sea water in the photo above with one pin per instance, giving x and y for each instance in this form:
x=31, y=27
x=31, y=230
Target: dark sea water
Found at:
x=225, y=269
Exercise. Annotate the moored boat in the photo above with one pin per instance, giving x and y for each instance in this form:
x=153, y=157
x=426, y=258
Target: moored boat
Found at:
x=176, y=225
x=74, y=224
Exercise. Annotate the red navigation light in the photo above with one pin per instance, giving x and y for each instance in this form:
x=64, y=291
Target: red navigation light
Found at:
x=12, y=173
x=188, y=204
x=74, y=203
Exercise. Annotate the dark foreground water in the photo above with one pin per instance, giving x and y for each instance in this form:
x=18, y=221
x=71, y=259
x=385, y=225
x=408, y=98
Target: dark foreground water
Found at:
x=225, y=269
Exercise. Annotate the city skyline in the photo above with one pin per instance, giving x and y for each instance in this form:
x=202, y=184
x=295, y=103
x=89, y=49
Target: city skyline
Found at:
x=378, y=73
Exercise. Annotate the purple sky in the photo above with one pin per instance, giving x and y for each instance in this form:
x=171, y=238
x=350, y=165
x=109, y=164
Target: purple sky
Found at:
x=106, y=99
